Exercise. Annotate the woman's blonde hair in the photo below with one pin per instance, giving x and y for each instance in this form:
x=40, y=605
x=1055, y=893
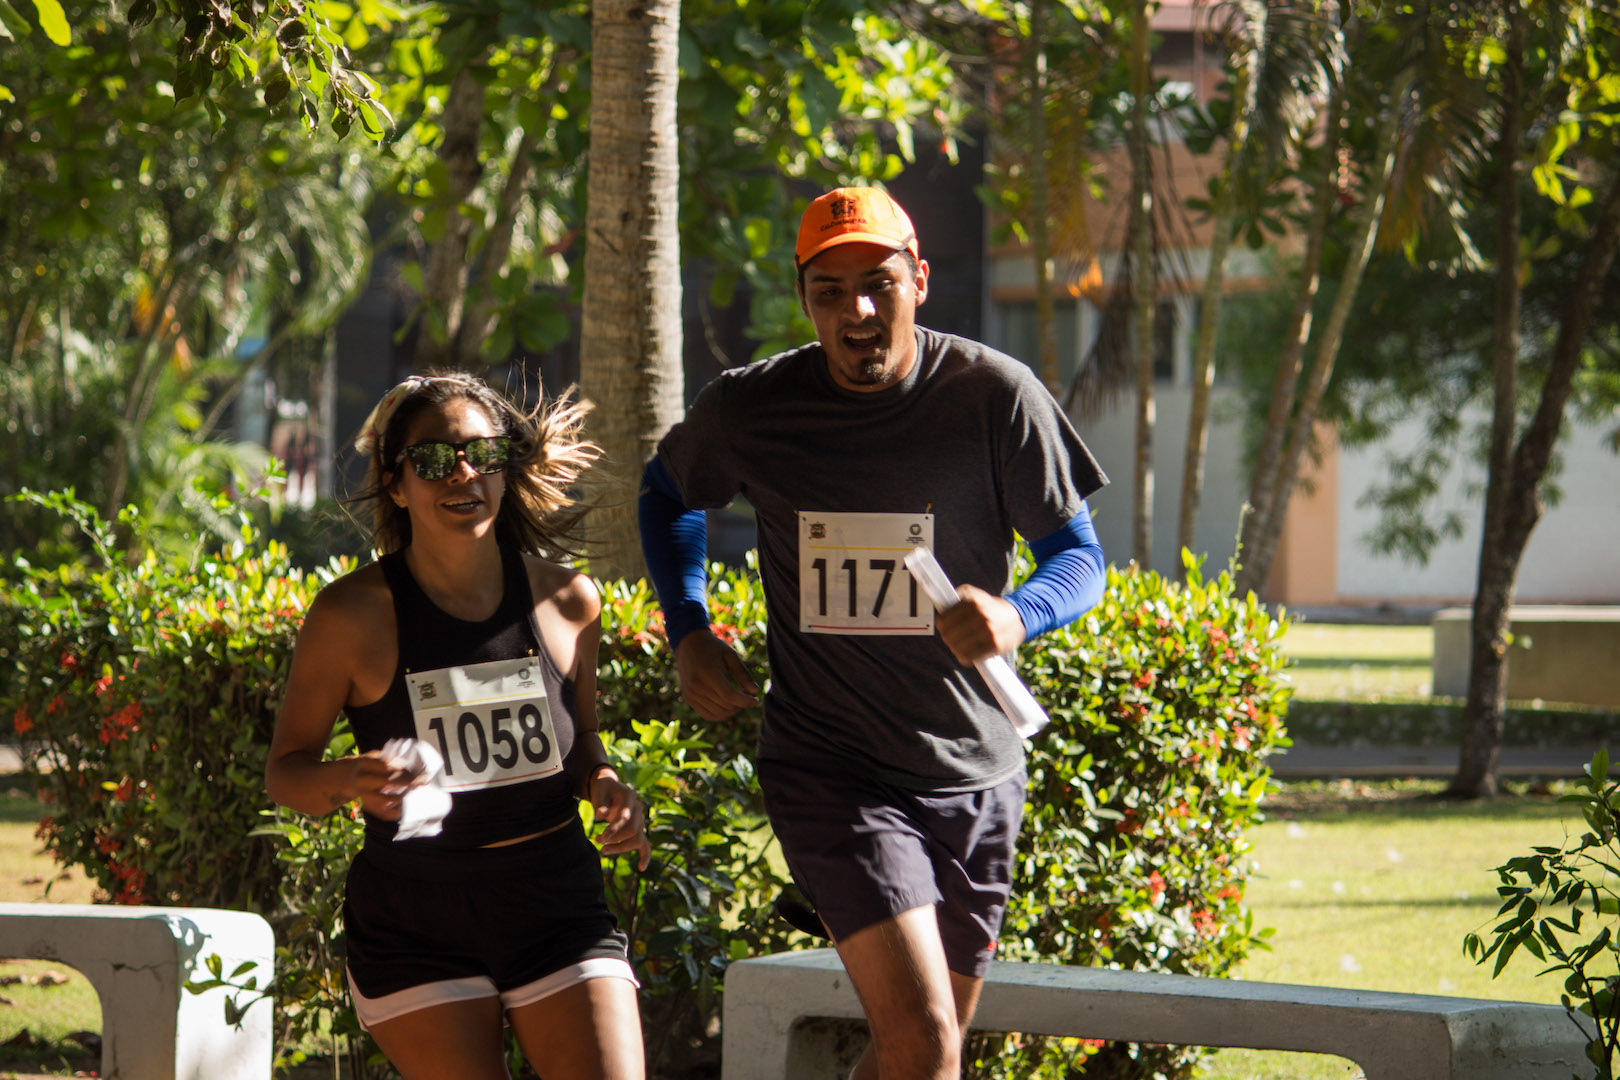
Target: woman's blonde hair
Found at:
x=539, y=513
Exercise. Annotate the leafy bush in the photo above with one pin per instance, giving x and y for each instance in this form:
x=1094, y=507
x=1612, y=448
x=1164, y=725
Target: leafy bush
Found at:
x=1560, y=905
x=145, y=696
x=145, y=692
x=706, y=899
x=1165, y=700
x=148, y=692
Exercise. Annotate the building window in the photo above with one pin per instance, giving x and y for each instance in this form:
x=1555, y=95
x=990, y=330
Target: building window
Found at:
x=1014, y=332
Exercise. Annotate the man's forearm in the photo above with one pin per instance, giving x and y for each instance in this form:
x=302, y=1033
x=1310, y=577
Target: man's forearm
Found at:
x=674, y=541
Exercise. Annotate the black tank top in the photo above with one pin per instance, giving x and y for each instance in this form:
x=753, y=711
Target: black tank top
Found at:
x=489, y=698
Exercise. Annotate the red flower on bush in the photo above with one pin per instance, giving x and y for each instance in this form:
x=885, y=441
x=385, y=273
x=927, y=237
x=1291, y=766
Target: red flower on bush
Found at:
x=131, y=883
x=1240, y=737
x=120, y=723
x=1155, y=886
x=124, y=790
x=103, y=684
x=69, y=662
x=725, y=632
x=106, y=845
x=21, y=721
x=1204, y=920
x=56, y=707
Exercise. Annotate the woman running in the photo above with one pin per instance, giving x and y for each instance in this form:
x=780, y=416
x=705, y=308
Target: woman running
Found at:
x=465, y=661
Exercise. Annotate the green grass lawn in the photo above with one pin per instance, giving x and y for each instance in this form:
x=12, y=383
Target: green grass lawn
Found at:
x=1373, y=888
x=1334, y=662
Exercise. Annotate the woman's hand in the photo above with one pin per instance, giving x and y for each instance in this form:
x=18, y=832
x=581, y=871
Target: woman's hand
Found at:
x=378, y=782
x=622, y=817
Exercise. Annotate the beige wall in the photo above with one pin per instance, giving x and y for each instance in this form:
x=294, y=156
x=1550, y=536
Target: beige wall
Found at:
x=1304, y=570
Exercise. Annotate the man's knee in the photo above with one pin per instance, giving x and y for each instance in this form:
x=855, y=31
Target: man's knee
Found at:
x=925, y=1042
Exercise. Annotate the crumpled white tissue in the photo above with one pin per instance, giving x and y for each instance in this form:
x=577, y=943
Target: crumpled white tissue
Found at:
x=426, y=804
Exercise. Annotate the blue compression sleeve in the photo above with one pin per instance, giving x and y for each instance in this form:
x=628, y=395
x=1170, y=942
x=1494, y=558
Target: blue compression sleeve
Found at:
x=675, y=543
x=1068, y=579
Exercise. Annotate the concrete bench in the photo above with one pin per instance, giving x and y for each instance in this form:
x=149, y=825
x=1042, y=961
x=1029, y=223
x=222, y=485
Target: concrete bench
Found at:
x=772, y=1028
x=139, y=960
x=1559, y=653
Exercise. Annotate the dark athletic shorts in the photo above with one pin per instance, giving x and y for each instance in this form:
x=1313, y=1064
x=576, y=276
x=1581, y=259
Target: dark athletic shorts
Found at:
x=427, y=926
x=864, y=851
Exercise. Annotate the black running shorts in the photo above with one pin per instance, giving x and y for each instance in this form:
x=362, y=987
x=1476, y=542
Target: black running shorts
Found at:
x=425, y=926
x=865, y=851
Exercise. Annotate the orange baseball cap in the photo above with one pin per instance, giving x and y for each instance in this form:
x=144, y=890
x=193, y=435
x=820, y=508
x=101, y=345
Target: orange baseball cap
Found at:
x=850, y=215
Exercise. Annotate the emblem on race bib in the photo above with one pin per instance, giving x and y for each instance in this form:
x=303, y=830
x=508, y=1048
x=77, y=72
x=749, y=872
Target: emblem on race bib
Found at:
x=852, y=574
x=490, y=722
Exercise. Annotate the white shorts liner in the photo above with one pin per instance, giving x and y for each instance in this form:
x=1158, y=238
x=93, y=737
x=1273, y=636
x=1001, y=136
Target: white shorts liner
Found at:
x=378, y=1010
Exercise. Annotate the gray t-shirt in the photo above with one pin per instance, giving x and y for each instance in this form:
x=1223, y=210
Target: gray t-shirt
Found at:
x=970, y=447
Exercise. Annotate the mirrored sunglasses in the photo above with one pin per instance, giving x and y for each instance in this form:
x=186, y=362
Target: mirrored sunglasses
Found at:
x=437, y=460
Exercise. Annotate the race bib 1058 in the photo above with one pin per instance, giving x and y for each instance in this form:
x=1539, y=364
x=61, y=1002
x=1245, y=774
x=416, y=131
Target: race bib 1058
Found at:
x=852, y=574
x=491, y=722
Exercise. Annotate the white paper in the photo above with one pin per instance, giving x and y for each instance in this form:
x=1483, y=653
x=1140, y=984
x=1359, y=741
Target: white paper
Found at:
x=1013, y=696
x=426, y=804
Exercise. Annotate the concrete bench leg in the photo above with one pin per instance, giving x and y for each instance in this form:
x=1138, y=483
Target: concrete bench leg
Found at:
x=139, y=960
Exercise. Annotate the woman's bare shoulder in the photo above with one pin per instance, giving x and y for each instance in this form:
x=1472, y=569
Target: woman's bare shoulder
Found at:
x=358, y=601
x=573, y=594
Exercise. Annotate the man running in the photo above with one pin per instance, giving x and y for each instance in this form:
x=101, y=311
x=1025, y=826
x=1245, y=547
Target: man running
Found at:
x=893, y=781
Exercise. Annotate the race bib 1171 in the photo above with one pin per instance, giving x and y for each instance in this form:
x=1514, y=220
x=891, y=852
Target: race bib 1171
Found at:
x=852, y=574
x=491, y=722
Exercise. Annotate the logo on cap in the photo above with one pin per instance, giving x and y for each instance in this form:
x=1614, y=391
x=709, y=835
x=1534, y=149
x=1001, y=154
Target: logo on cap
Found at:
x=842, y=208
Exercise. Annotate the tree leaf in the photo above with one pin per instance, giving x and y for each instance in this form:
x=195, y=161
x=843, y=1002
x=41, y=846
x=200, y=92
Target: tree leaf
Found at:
x=12, y=24
x=53, y=20
x=276, y=90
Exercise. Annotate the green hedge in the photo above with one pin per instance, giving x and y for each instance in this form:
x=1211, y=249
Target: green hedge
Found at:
x=1415, y=723
x=146, y=693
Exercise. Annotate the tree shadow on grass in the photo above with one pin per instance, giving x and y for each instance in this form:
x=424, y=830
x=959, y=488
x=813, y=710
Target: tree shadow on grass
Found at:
x=1416, y=801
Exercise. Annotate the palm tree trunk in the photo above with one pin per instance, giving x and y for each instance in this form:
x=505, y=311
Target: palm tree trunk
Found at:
x=630, y=335
x=1203, y=376
x=1285, y=380
x=1327, y=349
x=1039, y=202
x=1480, y=757
x=1143, y=286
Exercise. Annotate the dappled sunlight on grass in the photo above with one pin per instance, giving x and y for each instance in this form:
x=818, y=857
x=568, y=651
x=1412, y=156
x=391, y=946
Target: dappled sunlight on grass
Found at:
x=1360, y=663
x=1373, y=885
